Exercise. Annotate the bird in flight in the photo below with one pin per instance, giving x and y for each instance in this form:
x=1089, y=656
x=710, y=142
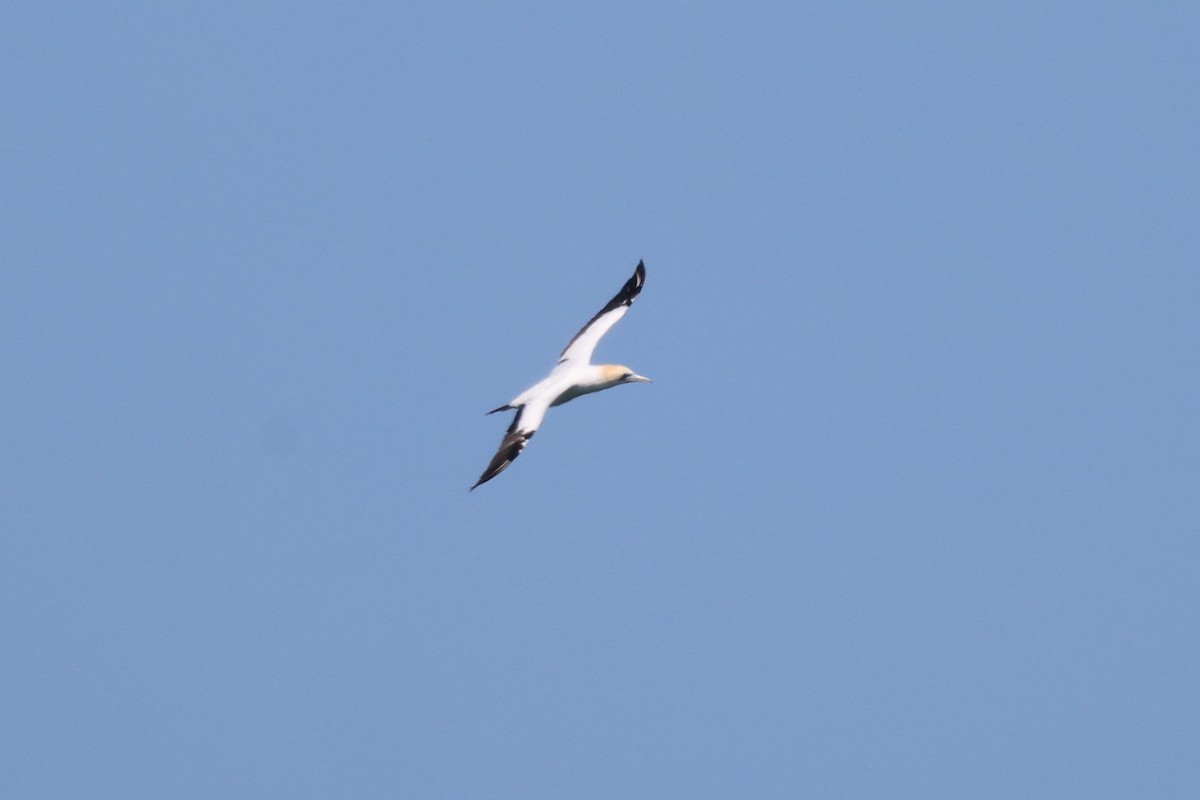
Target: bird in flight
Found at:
x=572, y=376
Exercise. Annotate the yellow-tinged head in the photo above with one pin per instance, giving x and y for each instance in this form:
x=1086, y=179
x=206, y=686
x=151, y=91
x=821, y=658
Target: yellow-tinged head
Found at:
x=615, y=373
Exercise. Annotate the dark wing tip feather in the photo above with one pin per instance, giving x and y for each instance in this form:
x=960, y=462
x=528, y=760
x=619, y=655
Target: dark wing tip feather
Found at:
x=514, y=442
x=631, y=289
x=634, y=285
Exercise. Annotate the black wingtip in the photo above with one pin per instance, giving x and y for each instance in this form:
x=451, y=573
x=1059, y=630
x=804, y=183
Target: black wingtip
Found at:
x=631, y=289
x=512, y=445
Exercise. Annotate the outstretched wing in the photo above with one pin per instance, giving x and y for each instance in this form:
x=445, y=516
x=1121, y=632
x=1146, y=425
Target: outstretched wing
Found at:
x=579, y=350
x=524, y=425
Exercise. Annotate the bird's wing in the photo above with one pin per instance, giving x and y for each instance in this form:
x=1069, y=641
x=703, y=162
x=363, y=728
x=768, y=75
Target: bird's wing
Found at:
x=524, y=425
x=579, y=349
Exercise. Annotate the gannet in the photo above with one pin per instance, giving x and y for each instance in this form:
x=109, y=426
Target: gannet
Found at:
x=572, y=376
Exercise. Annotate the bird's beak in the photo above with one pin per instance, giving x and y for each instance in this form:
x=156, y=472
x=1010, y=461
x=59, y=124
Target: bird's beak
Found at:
x=639, y=378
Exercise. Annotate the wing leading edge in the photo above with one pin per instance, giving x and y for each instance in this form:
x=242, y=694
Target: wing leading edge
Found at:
x=583, y=344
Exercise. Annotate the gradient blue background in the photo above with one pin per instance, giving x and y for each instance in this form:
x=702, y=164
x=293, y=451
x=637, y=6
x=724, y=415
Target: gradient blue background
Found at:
x=911, y=509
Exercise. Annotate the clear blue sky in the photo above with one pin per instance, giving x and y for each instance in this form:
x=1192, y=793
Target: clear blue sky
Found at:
x=911, y=509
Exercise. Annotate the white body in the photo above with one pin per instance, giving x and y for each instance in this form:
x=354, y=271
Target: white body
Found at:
x=564, y=385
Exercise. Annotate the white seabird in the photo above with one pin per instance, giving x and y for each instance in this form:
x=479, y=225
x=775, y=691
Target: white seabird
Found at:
x=572, y=376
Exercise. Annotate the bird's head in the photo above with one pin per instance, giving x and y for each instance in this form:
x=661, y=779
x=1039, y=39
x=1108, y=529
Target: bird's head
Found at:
x=621, y=374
